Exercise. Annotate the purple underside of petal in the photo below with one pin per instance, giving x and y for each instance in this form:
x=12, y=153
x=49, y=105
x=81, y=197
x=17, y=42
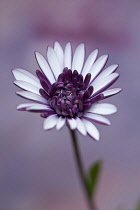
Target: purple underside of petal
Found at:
x=32, y=110
x=35, y=108
x=23, y=108
x=95, y=120
x=40, y=111
x=97, y=98
x=42, y=77
x=44, y=85
x=44, y=94
x=40, y=74
x=47, y=114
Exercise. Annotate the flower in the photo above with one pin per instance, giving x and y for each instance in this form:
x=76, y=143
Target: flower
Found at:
x=69, y=91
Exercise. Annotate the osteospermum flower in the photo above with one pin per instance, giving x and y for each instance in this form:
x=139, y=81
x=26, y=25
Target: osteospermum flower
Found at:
x=69, y=89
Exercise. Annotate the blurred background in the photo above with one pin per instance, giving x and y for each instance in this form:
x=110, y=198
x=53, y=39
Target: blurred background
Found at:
x=37, y=168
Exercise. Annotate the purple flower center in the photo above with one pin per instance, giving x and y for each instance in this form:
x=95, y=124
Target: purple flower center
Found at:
x=69, y=95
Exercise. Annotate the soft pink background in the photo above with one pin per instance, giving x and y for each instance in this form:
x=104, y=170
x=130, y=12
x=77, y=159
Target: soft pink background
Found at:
x=37, y=168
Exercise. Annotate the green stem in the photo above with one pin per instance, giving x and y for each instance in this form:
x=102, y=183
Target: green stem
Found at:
x=80, y=169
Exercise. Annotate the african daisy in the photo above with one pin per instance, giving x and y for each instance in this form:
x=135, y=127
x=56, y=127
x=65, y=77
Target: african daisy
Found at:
x=69, y=89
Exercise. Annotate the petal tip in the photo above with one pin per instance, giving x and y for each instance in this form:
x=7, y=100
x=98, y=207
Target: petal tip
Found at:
x=120, y=90
x=14, y=72
x=116, y=66
x=17, y=92
x=68, y=44
x=15, y=82
x=115, y=110
x=37, y=54
x=44, y=126
x=56, y=43
x=96, y=51
x=106, y=57
x=97, y=138
x=18, y=107
x=109, y=123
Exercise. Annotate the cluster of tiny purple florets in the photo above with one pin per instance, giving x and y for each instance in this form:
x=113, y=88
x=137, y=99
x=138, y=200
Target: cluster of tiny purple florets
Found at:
x=70, y=95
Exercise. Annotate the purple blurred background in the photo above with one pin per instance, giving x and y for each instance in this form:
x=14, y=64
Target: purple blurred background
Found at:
x=37, y=168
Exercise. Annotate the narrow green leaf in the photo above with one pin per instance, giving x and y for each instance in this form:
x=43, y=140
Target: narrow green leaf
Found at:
x=138, y=205
x=93, y=176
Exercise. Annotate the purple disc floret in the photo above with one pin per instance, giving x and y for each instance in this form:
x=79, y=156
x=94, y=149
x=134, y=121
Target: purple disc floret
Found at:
x=70, y=95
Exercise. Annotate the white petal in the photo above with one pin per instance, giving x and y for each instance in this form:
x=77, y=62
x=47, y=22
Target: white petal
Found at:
x=54, y=62
x=33, y=106
x=59, y=51
x=25, y=106
x=45, y=67
x=89, y=62
x=80, y=126
x=78, y=58
x=25, y=76
x=72, y=123
x=97, y=66
x=111, y=92
x=26, y=73
x=67, y=56
x=27, y=86
x=38, y=107
x=32, y=96
x=91, y=129
x=103, y=108
x=60, y=123
x=97, y=118
x=105, y=82
x=50, y=122
x=105, y=73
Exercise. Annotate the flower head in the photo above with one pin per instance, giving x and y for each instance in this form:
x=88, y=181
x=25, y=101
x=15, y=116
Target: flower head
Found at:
x=68, y=90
